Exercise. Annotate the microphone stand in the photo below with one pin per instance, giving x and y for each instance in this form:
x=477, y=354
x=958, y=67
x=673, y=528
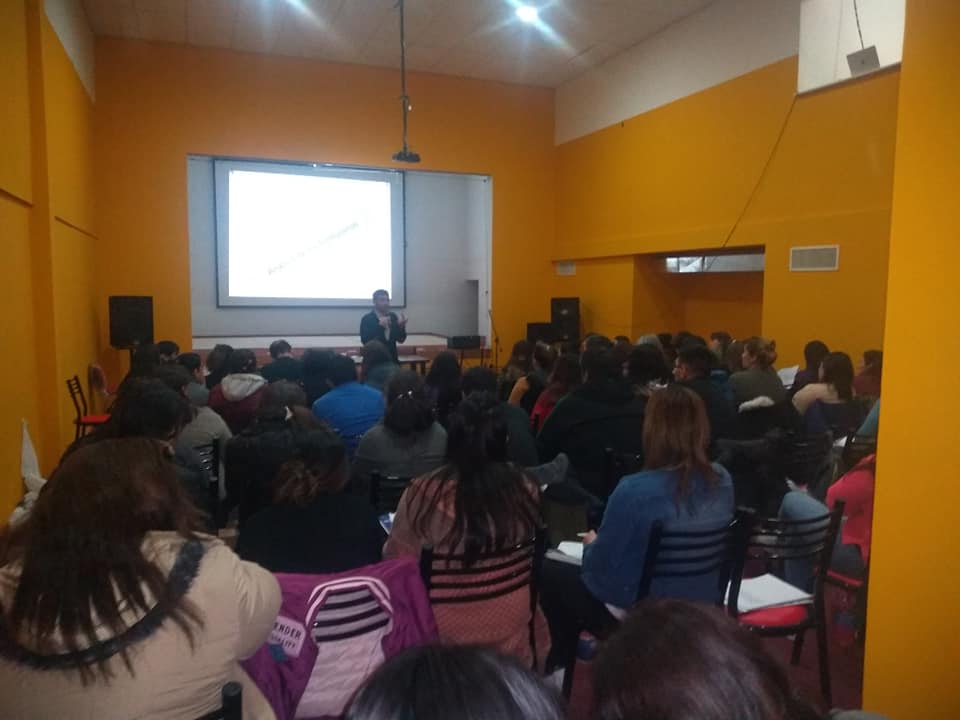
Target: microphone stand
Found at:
x=496, y=340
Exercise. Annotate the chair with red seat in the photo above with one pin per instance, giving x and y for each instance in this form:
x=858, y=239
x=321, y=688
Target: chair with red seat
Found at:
x=83, y=419
x=774, y=542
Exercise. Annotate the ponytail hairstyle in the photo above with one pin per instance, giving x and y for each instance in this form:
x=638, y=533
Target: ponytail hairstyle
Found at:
x=409, y=410
x=763, y=351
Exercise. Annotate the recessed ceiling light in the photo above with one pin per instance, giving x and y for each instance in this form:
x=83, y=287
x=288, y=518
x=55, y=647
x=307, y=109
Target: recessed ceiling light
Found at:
x=528, y=13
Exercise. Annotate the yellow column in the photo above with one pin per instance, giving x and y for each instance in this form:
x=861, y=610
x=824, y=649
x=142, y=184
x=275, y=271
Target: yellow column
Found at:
x=913, y=623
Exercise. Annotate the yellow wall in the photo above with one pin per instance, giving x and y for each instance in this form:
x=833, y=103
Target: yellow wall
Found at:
x=46, y=204
x=157, y=103
x=720, y=301
x=912, y=645
x=678, y=177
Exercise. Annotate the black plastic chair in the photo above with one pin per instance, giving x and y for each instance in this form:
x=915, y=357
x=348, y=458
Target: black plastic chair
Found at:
x=587, y=444
x=496, y=574
x=386, y=491
x=704, y=550
x=856, y=449
x=231, y=704
x=209, y=456
x=774, y=542
x=808, y=462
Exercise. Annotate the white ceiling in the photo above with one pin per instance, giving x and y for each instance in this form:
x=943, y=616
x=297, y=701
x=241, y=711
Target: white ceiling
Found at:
x=471, y=38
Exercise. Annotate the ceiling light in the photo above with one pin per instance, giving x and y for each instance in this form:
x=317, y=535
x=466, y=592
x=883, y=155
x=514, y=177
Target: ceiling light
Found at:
x=528, y=13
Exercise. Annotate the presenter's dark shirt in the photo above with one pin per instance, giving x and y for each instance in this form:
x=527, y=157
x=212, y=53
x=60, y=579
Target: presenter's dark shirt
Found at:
x=371, y=329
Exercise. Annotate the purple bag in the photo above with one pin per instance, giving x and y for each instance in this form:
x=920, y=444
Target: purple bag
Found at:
x=334, y=630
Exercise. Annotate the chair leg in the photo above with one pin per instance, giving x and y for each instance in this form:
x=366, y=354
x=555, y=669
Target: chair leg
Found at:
x=797, y=647
x=823, y=652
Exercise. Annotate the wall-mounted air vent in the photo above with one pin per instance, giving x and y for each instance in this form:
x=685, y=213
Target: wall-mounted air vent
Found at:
x=815, y=258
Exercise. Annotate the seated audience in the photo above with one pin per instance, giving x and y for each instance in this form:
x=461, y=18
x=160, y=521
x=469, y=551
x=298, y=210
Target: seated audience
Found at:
x=650, y=339
x=733, y=360
x=813, y=353
x=564, y=378
x=851, y=554
x=148, y=407
x=602, y=412
x=206, y=427
x=477, y=503
x=829, y=404
x=350, y=408
x=378, y=365
x=758, y=378
x=646, y=370
x=144, y=361
x=443, y=385
x=113, y=603
x=283, y=365
x=621, y=349
x=521, y=446
x=408, y=442
x=867, y=383
x=238, y=395
x=720, y=343
x=527, y=389
x=669, y=348
x=518, y=365
x=674, y=660
x=441, y=682
x=315, y=373
x=218, y=361
x=197, y=392
x=679, y=486
x=254, y=457
x=694, y=366
x=168, y=351
x=313, y=526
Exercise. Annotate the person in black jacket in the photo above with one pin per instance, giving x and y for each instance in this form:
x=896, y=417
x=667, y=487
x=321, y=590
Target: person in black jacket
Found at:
x=284, y=365
x=692, y=370
x=254, y=456
x=383, y=325
x=313, y=526
x=604, y=412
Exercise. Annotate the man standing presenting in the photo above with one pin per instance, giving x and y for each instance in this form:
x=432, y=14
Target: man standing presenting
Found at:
x=383, y=325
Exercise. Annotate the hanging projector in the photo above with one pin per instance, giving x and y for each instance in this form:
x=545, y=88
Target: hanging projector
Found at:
x=406, y=155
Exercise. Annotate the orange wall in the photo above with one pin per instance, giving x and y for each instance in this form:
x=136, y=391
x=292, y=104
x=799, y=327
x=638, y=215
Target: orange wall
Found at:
x=720, y=301
x=678, y=177
x=912, y=645
x=46, y=217
x=157, y=103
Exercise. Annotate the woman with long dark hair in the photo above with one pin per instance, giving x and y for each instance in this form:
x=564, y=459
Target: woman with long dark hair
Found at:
x=679, y=486
x=443, y=384
x=476, y=503
x=112, y=605
x=829, y=405
x=564, y=378
x=813, y=354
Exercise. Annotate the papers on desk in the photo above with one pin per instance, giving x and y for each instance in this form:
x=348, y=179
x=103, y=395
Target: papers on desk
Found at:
x=788, y=375
x=768, y=591
x=568, y=552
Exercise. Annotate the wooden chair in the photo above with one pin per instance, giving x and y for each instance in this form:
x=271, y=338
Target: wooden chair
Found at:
x=774, y=542
x=83, y=419
x=231, y=704
x=497, y=574
x=386, y=490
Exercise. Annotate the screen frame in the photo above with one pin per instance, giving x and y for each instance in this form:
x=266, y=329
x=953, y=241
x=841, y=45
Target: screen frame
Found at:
x=222, y=167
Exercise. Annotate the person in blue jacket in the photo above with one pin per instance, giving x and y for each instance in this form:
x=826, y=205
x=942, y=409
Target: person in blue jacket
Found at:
x=679, y=486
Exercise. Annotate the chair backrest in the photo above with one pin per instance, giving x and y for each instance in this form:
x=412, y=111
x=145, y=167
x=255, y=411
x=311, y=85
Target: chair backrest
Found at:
x=497, y=574
x=807, y=460
x=231, y=704
x=586, y=443
x=77, y=396
x=773, y=541
x=856, y=449
x=209, y=456
x=492, y=575
x=385, y=491
x=705, y=550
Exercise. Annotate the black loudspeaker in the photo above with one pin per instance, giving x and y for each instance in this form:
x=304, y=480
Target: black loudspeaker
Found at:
x=541, y=332
x=464, y=342
x=131, y=320
x=565, y=318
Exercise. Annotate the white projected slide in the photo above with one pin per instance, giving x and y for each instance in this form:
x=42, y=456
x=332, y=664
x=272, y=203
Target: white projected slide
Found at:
x=294, y=238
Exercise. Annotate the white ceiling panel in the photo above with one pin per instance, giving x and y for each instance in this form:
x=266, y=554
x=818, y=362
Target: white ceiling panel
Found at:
x=473, y=38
